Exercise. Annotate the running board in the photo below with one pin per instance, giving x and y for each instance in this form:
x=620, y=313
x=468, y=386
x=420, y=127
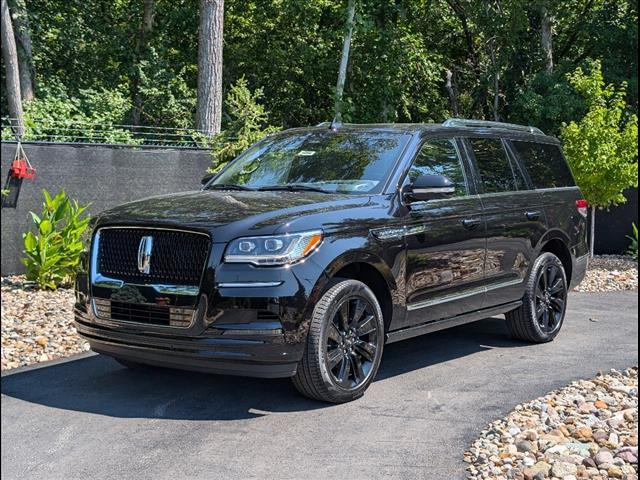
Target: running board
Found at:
x=434, y=326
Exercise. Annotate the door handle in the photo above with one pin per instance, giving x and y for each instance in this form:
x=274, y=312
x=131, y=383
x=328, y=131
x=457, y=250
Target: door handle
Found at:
x=532, y=215
x=470, y=223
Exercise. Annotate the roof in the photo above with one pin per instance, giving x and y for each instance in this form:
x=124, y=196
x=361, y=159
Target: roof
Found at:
x=454, y=126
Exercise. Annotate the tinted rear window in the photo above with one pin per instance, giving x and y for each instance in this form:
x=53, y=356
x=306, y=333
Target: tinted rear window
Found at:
x=497, y=172
x=546, y=166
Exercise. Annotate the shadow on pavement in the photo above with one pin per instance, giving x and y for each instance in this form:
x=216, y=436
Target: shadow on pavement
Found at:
x=97, y=384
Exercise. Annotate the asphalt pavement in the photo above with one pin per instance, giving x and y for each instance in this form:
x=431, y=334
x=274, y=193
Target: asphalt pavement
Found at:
x=87, y=417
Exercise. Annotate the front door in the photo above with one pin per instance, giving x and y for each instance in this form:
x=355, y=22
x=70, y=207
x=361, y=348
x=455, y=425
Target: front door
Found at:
x=514, y=218
x=445, y=240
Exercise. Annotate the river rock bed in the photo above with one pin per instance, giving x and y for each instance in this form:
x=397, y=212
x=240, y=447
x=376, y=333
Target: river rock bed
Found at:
x=36, y=324
x=587, y=430
x=608, y=273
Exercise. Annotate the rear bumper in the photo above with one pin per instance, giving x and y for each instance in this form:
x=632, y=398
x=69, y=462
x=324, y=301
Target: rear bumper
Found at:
x=579, y=271
x=246, y=353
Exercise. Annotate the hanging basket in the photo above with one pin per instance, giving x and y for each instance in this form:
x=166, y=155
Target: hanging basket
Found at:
x=20, y=167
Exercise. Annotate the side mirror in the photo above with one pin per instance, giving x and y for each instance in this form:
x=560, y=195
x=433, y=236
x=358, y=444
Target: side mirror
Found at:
x=429, y=187
x=206, y=178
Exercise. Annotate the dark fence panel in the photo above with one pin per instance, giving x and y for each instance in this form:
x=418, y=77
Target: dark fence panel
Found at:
x=614, y=225
x=104, y=176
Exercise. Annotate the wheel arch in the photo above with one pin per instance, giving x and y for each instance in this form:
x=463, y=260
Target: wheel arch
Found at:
x=368, y=269
x=557, y=242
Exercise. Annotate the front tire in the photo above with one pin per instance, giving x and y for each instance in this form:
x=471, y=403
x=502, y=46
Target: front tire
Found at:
x=344, y=344
x=544, y=304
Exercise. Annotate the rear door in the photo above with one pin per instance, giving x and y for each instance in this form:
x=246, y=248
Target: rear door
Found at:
x=514, y=218
x=445, y=240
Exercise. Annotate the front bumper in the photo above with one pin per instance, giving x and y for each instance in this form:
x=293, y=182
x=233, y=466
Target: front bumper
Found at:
x=251, y=352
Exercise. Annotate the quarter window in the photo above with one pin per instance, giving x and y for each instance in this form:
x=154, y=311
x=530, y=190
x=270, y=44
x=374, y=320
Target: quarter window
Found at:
x=546, y=166
x=440, y=157
x=497, y=172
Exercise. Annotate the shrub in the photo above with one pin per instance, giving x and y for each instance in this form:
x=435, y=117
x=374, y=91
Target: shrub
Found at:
x=633, y=248
x=53, y=252
x=247, y=125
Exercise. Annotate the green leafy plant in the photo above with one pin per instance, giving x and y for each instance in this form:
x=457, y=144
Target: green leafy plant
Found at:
x=247, y=125
x=53, y=252
x=633, y=248
x=602, y=147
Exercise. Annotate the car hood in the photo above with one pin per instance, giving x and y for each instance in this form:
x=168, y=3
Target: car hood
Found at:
x=227, y=213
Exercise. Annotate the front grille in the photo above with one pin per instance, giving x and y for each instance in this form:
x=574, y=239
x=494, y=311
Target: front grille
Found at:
x=177, y=257
x=163, y=315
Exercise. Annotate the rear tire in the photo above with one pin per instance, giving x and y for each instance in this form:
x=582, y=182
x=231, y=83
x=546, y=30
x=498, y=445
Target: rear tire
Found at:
x=344, y=344
x=544, y=303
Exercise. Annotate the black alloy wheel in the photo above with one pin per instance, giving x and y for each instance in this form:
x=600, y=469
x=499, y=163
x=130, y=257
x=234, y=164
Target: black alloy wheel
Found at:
x=550, y=298
x=352, y=342
x=544, y=304
x=344, y=344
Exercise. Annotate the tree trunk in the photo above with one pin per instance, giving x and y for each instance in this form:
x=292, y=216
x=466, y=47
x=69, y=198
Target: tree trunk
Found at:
x=10, y=57
x=142, y=46
x=453, y=96
x=342, y=72
x=546, y=38
x=592, y=243
x=22, y=34
x=209, y=107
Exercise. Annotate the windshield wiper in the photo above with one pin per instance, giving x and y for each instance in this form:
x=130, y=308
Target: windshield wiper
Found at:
x=229, y=186
x=294, y=187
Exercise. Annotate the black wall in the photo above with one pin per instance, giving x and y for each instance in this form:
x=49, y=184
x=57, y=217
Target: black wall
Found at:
x=104, y=176
x=614, y=225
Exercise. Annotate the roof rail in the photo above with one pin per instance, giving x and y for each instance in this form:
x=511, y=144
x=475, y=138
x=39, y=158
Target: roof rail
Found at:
x=461, y=122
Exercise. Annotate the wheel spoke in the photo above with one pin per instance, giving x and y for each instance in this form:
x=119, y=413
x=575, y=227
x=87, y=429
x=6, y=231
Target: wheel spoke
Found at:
x=558, y=304
x=545, y=319
x=366, y=327
x=357, y=368
x=357, y=313
x=540, y=308
x=345, y=371
x=333, y=333
x=556, y=287
x=334, y=357
x=367, y=350
x=553, y=272
x=344, y=315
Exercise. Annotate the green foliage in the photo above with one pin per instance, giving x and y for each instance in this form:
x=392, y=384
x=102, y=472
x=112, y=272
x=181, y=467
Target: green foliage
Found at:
x=602, y=147
x=53, y=252
x=290, y=50
x=633, y=248
x=92, y=116
x=247, y=124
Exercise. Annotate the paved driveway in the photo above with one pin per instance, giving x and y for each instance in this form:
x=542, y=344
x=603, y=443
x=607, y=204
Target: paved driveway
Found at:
x=89, y=418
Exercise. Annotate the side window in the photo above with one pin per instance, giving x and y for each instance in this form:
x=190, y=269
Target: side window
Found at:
x=440, y=157
x=497, y=172
x=545, y=164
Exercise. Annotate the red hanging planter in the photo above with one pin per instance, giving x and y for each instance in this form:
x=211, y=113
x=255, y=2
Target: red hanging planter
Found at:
x=20, y=167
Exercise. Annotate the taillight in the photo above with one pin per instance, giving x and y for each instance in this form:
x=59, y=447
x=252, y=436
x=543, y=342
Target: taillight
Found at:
x=582, y=206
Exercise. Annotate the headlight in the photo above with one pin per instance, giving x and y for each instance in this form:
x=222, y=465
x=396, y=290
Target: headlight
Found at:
x=273, y=249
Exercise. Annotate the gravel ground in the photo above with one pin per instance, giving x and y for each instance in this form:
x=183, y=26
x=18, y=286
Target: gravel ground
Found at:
x=37, y=325
x=610, y=273
x=588, y=430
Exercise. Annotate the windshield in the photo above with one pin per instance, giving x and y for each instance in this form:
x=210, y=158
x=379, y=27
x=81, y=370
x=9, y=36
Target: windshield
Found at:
x=341, y=162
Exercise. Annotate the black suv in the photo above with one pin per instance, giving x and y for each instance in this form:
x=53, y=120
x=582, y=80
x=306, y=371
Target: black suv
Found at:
x=318, y=246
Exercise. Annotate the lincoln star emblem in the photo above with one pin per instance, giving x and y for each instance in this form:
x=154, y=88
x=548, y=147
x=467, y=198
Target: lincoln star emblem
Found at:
x=144, y=254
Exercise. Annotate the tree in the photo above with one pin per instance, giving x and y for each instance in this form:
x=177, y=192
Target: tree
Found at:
x=344, y=61
x=141, y=53
x=546, y=37
x=602, y=147
x=10, y=57
x=22, y=34
x=209, y=106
